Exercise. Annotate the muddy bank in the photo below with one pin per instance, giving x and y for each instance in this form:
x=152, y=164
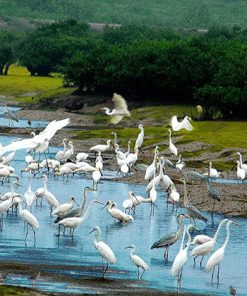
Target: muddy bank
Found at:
x=233, y=197
x=95, y=285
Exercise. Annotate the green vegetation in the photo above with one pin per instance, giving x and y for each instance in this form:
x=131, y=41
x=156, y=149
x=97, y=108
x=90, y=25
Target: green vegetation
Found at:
x=169, y=13
x=25, y=88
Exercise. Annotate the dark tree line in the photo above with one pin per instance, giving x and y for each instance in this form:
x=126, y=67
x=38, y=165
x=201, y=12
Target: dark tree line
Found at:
x=140, y=63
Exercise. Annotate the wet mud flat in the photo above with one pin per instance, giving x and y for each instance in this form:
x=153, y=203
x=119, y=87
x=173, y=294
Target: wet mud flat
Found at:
x=91, y=285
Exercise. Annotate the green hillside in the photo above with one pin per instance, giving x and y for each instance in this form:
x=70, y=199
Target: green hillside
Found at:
x=171, y=13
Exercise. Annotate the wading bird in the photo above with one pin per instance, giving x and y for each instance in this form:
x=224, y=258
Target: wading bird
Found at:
x=217, y=257
x=117, y=213
x=172, y=147
x=137, y=260
x=192, y=211
x=104, y=250
x=120, y=109
x=9, y=115
x=140, y=137
x=65, y=207
x=74, y=222
x=242, y=165
x=171, y=238
x=240, y=171
x=207, y=247
x=181, y=258
x=28, y=219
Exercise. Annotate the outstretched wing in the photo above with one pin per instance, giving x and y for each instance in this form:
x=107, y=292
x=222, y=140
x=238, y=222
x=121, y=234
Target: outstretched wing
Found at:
x=174, y=123
x=119, y=103
x=187, y=125
x=115, y=119
x=53, y=127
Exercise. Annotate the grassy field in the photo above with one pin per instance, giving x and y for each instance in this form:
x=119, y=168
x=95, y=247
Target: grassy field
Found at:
x=169, y=13
x=221, y=134
x=20, y=86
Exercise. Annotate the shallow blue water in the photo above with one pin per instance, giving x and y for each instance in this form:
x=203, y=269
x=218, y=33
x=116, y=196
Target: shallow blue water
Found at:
x=22, y=123
x=143, y=232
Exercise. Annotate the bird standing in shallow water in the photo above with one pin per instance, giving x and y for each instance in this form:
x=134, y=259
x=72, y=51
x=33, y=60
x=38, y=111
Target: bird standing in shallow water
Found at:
x=104, y=250
x=217, y=257
x=171, y=238
x=137, y=260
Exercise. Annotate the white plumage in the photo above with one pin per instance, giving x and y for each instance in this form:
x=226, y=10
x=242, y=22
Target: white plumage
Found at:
x=120, y=109
x=172, y=147
x=138, y=261
x=178, y=125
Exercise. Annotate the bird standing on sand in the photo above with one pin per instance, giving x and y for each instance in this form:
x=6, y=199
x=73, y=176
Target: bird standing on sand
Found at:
x=120, y=109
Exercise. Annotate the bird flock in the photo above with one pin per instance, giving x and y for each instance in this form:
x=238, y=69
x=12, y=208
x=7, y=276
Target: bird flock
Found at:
x=66, y=164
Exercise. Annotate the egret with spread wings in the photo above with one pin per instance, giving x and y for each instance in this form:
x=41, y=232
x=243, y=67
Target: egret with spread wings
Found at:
x=120, y=109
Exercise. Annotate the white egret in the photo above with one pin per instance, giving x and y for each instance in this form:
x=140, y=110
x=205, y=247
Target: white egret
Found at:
x=151, y=168
x=96, y=177
x=29, y=195
x=104, y=250
x=65, y=207
x=81, y=156
x=60, y=154
x=207, y=247
x=181, y=258
x=137, y=260
x=101, y=147
x=74, y=222
x=6, y=160
x=212, y=173
x=201, y=239
x=178, y=125
x=172, y=147
x=120, y=109
x=242, y=165
x=180, y=164
x=128, y=150
x=131, y=159
x=140, y=137
x=217, y=257
x=4, y=207
x=38, y=141
x=240, y=171
x=117, y=213
x=50, y=197
x=29, y=219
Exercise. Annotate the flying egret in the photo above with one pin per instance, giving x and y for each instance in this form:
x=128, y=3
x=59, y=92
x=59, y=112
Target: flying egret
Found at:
x=171, y=238
x=181, y=258
x=172, y=147
x=137, y=260
x=38, y=142
x=74, y=222
x=104, y=250
x=217, y=257
x=117, y=213
x=120, y=109
x=29, y=219
x=178, y=125
x=207, y=247
x=140, y=137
